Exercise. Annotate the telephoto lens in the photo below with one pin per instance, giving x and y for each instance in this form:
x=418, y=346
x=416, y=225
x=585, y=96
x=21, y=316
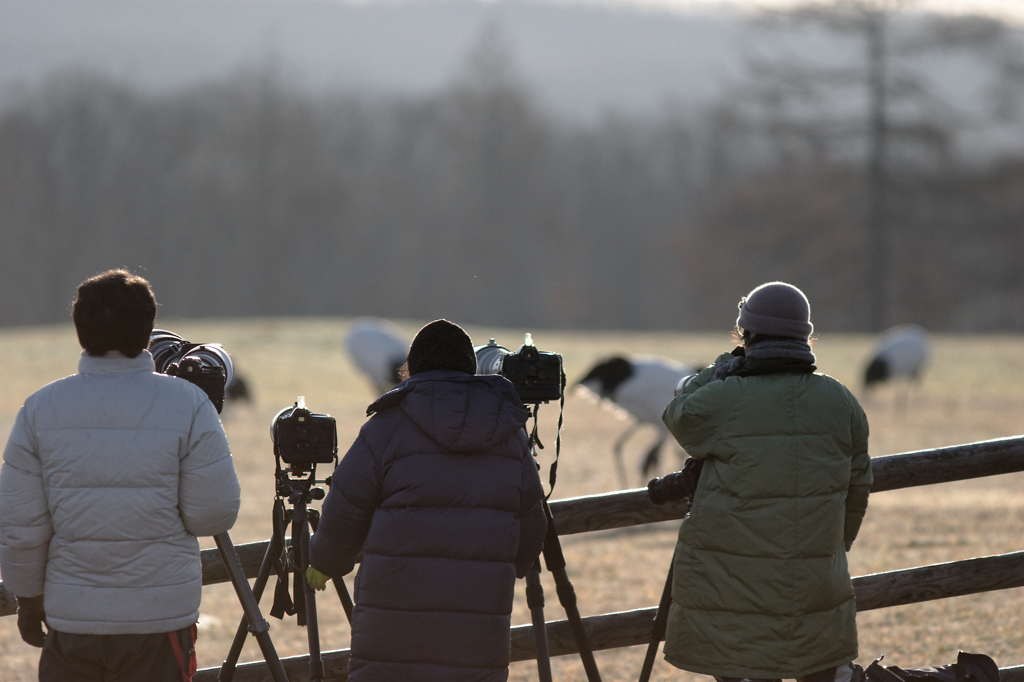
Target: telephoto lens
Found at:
x=666, y=488
x=681, y=386
x=207, y=365
x=168, y=348
x=676, y=486
x=490, y=359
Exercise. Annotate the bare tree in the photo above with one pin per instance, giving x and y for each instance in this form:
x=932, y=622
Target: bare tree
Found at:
x=797, y=102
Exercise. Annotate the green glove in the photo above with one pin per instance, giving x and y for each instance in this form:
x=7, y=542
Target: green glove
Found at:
x=316, y=579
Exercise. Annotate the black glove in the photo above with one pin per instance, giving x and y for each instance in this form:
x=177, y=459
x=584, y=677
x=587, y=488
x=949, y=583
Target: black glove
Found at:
x=30, y=620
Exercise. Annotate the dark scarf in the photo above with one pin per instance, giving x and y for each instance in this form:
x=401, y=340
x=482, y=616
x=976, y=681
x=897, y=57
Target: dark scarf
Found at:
x=768, y=355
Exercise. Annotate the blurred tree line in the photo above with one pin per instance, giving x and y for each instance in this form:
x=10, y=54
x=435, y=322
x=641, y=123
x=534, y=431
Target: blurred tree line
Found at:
x=247, y=197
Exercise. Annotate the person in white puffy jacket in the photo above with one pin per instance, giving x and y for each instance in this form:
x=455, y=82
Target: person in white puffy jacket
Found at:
x=108, y=477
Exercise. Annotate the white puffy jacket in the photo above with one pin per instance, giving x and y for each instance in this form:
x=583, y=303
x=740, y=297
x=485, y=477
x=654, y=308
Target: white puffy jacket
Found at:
x=108, y=477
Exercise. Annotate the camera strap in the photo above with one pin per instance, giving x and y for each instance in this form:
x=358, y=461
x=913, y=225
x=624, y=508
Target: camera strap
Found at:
x=553, y=474
x=283, y=603
x=535, y=439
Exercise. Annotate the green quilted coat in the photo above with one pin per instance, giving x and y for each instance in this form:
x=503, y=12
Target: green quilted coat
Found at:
x=761, y=587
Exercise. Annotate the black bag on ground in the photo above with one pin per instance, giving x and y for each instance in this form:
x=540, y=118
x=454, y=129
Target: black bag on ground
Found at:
x=968, y=668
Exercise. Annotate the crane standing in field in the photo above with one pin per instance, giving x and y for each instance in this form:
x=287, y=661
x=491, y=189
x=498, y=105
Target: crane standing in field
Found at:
x=900, y=352
x=378, y=349
x=641, y=386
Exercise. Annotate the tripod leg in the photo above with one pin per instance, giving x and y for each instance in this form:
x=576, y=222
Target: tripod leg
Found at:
x=339, y=585
x=316, y=664
x=535, y=600
x=227, y=670
x=658, y=628
x=555, y=561
x=296, y=567
x=260, y=628
x=346, y=599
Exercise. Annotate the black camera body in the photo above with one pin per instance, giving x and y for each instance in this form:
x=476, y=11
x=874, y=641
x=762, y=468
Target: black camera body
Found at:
x=207, y=365
x=303, y=439
x=537, y=375
x=211, y=379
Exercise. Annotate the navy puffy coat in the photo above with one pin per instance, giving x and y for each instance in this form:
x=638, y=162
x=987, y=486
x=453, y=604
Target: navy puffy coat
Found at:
x=441, y=493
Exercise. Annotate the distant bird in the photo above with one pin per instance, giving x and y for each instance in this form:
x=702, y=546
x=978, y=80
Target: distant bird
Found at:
x=901, y=351
x=378, y=349
x=237, y=390
x=641, y=386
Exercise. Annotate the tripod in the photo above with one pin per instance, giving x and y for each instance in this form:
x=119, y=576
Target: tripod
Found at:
x=290, y=558
x=250, y=605
x=659, y=626
x=555, y=562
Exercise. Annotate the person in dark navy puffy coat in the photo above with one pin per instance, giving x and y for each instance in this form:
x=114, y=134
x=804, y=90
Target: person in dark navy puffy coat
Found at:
x=442, y=496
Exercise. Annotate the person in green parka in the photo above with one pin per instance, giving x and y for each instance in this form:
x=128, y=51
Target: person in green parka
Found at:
x=761, y=588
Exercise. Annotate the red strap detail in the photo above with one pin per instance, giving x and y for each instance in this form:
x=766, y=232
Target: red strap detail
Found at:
x=187, y=669
x=192, y=667
x=176, y=648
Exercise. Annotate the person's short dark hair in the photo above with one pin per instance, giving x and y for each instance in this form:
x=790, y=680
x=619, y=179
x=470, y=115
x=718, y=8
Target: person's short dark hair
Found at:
x=441, y=345
x=114, y=310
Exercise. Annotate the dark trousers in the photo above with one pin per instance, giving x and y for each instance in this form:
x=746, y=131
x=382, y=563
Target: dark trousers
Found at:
x=69, y=657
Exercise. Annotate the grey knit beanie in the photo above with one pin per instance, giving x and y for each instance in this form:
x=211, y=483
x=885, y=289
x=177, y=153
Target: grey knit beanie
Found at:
x=776, y=309
x=441, y=345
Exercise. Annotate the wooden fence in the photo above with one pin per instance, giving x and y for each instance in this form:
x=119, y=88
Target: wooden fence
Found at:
x=632, y=507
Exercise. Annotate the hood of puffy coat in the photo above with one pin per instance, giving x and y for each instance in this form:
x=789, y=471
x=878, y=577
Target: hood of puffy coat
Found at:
x=462, y=412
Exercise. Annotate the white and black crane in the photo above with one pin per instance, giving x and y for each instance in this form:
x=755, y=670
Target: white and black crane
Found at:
x=378, y=349
x=641, y=386
x=901, y=353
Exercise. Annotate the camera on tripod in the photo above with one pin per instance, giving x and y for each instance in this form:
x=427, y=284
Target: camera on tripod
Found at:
x=207, y=365
x=537, y=375
x=303, y=439
x=538, y=378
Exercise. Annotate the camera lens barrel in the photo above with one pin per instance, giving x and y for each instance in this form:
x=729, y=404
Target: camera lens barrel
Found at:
x=167, y=348
x=213, y=355
x=207, y=365
x=490, y=359
x=163, y=346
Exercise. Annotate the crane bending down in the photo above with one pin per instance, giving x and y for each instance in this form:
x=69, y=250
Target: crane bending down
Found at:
x=641, y=386
x=902, y=351
x=378, y=349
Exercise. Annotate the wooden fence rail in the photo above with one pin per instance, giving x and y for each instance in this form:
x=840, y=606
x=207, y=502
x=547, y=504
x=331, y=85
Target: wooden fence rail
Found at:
x=631, y=628
x=632, y=507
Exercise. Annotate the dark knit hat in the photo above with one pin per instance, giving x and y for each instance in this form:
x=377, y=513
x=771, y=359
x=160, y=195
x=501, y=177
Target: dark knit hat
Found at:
x=441, y=345
x=776, y=309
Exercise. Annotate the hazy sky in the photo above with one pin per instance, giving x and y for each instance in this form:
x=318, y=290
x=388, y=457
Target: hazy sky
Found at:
x=1009, y=9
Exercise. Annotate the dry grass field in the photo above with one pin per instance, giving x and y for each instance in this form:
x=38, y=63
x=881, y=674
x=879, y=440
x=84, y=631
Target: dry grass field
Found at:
x=973, y=391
